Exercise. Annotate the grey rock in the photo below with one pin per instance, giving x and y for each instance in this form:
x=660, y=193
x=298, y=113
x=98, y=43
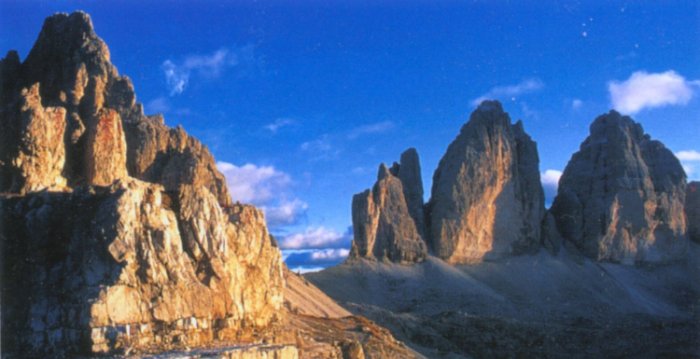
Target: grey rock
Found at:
x=487, y=200
x=621, y=196
x=692, y=210
x=383, y=226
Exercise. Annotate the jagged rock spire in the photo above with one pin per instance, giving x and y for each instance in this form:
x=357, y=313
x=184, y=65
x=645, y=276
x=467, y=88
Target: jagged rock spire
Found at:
x=486, y=200
x=387, y=220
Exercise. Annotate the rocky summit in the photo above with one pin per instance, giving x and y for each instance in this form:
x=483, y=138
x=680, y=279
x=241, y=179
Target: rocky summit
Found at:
x=486, y=199
x=388, y=220
x=621, y=197
x=118, y=234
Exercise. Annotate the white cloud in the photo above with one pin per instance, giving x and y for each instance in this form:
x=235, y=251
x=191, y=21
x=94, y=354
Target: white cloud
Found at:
x=550, y=184
x=689, y=170
x=266, y=187
x=689, y=159
x=305, y=269
x=177, y=75
x=551, y=178
x=330, y=254
x=279, y=123
x=510, y=91
x=648, y=90
x=285, y=212
x=372, y=128
x=315, y=237
x=252, y=184
x=688, y=155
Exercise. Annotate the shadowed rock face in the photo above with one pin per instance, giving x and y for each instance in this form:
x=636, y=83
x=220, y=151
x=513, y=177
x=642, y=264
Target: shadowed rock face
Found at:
x=388, y=220
x=621, y=196
x=487, y=200
x=692, y=210
x=135, y=245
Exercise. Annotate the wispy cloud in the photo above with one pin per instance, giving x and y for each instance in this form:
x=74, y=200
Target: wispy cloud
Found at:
x=576, y=104
x=285, y=212
x=373, y=128
x=690, y=159
x=510, y=91
x=178, y=74
x=158, y=105
x=279, y=123
x=266, y=187
x=316, y=238
x=320, y=149
x=648, y=90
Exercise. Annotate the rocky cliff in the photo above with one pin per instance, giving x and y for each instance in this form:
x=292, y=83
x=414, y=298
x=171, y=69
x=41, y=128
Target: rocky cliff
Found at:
x=69, y=119
x=118, y=232
x=486, y=199
x=621, y=197
x=388, y=220
x=692, y=210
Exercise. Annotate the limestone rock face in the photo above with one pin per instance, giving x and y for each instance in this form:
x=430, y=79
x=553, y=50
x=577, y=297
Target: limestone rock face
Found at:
x=383, y=224
x=487, y=200
x=136, y=244
x=408, y=171
x=622, y=195
x=105, y=134
x=692, y=210
x=38, y=160
x=133, y=266
x=105, y=149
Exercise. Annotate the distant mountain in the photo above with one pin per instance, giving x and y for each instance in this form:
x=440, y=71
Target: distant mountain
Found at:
x=608, y=271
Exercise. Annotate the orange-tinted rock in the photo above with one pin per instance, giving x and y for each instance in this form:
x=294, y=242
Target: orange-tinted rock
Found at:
x=105, y=149
x=487, y=200
x=40, y=157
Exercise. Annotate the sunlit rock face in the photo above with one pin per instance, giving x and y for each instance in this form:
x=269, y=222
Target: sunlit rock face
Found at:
x=66, y=110
x=388, y=219
x=692, y=210
x=118, y=233
x=621, y=197
x=487, y=200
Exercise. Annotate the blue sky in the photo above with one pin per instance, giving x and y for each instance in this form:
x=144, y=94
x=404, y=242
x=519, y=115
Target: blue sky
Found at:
x=300, y=103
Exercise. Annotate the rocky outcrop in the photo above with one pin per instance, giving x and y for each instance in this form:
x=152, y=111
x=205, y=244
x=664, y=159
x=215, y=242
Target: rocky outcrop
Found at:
x=68, y=77
x=622, y=195
x=132, y=266
x=117, y=232
x=692, y=210
x=384, y=219
x=487, y=200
